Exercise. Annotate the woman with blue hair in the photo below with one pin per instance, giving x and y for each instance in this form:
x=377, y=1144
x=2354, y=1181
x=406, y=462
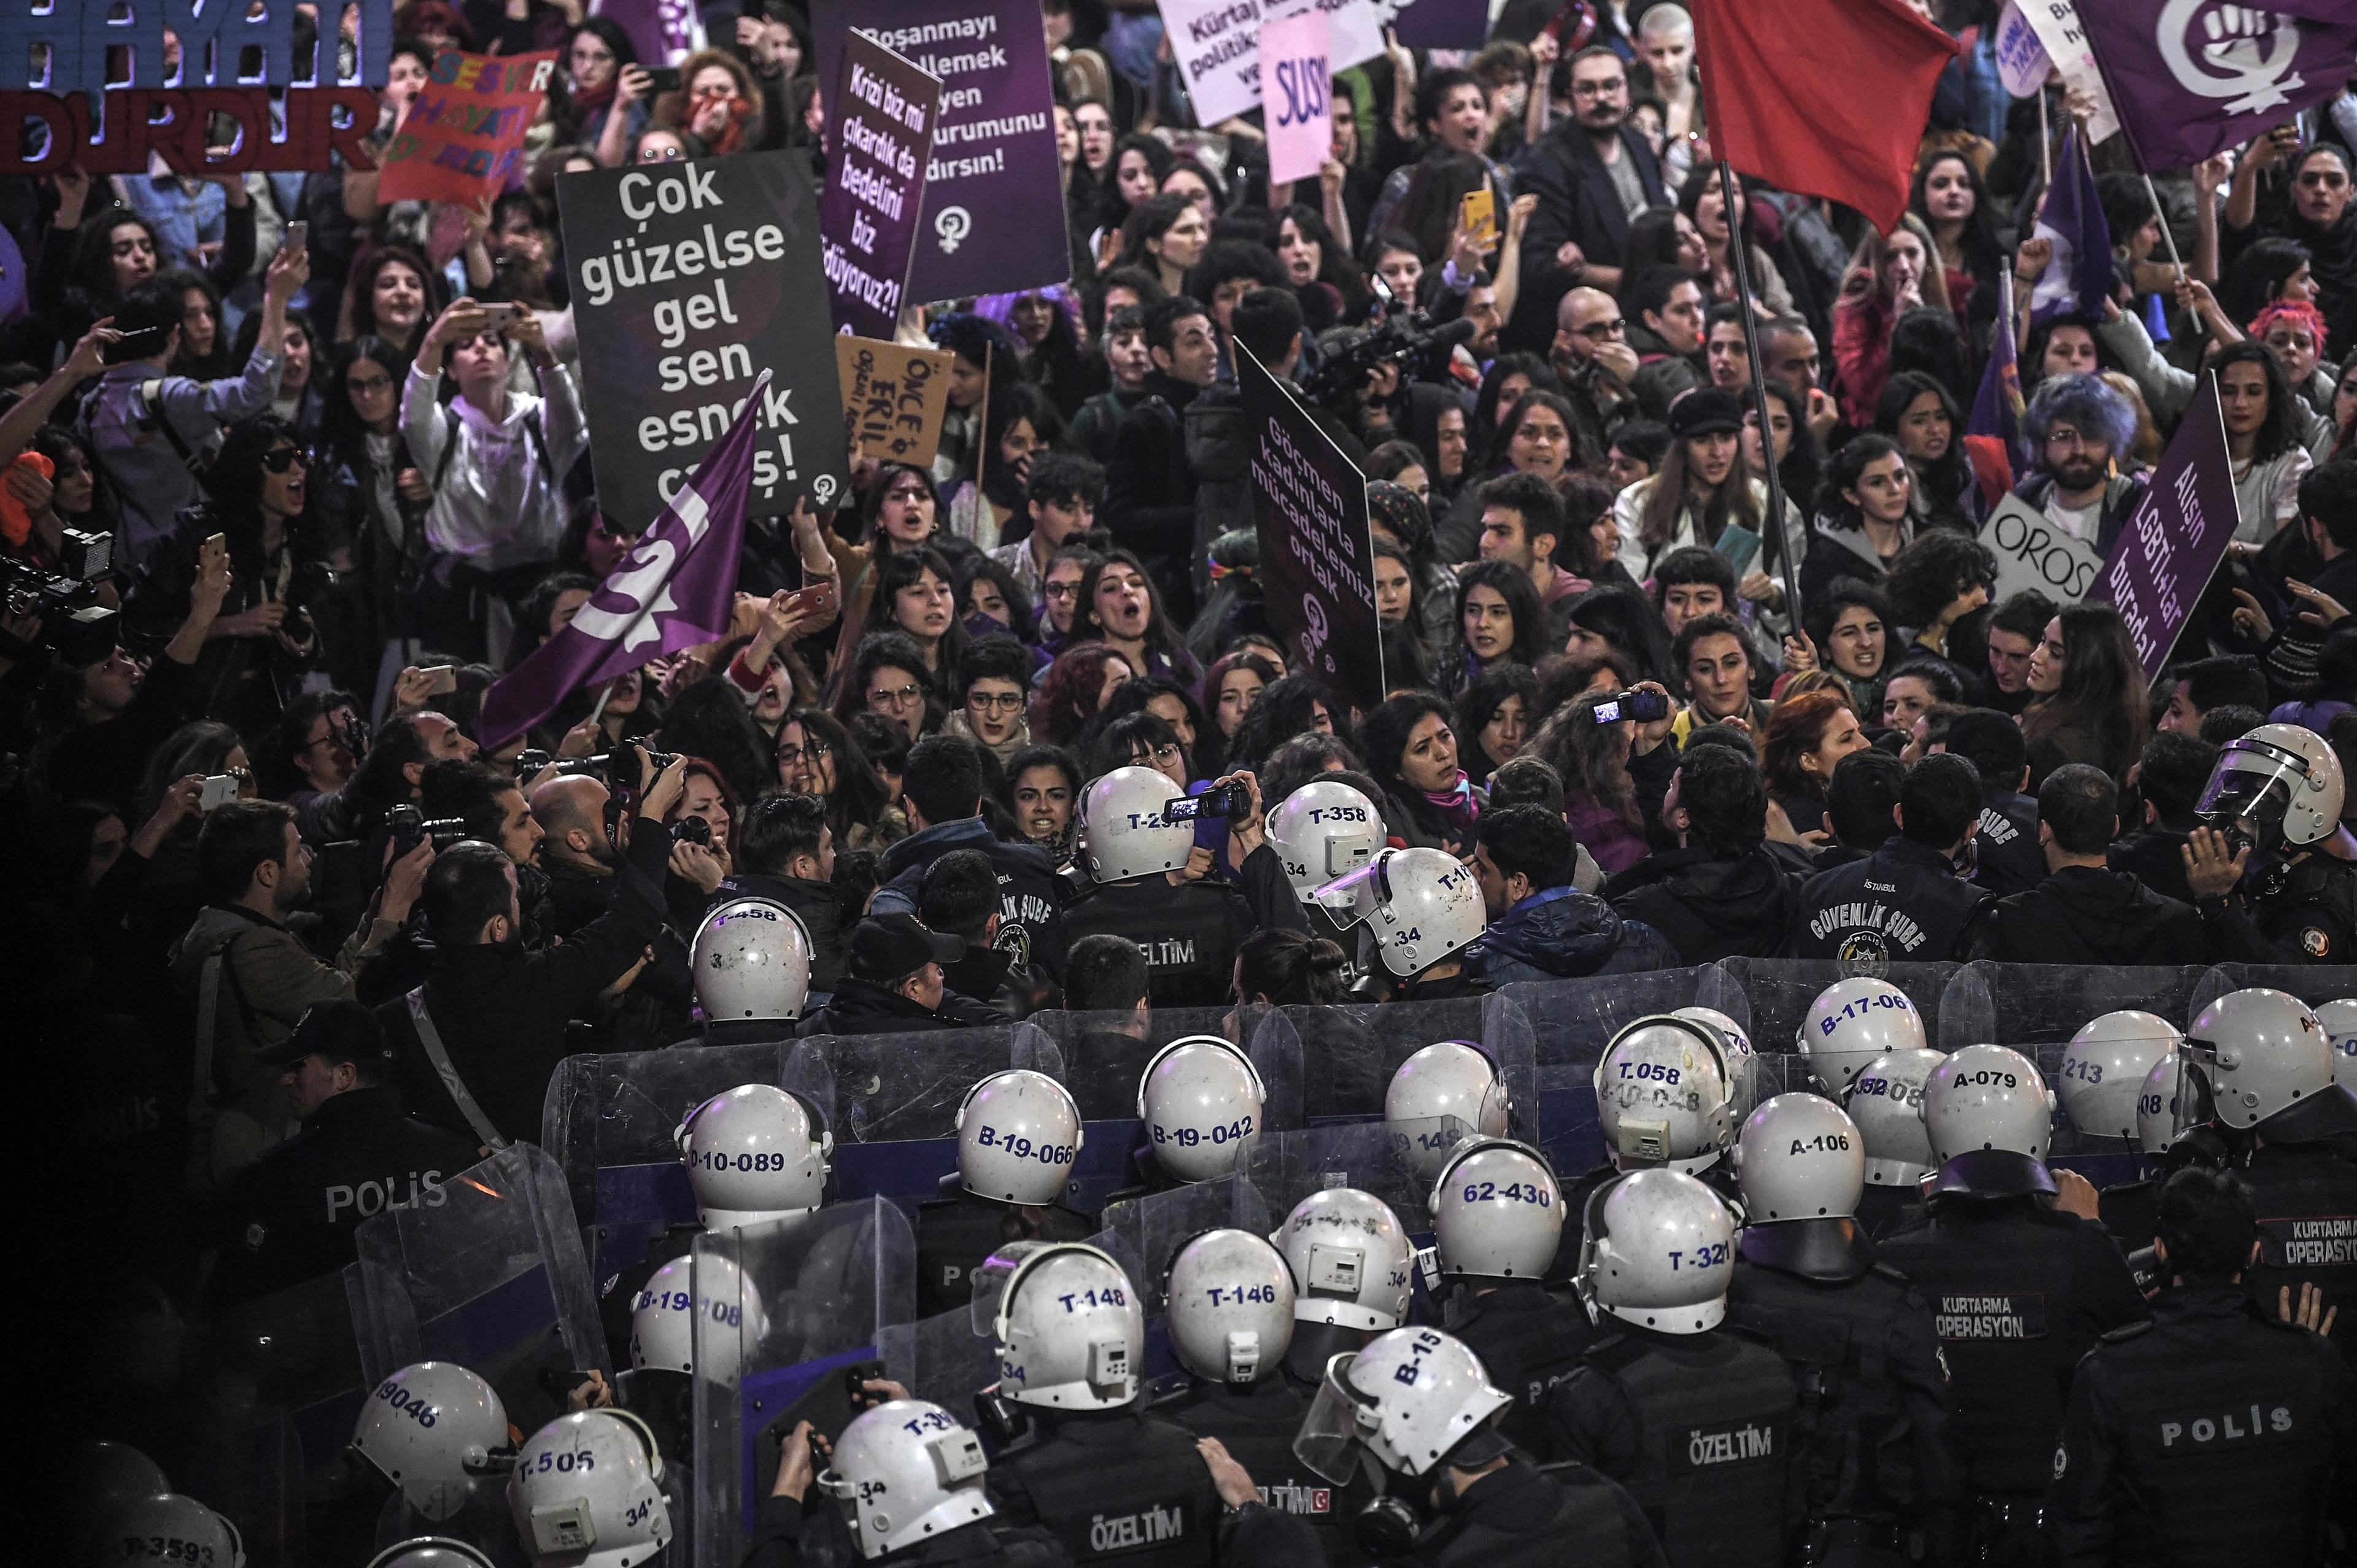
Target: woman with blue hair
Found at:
x=2080, y=431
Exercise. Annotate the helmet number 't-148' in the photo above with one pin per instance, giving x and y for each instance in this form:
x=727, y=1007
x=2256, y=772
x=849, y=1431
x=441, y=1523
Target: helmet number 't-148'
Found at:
x=1108, y=1295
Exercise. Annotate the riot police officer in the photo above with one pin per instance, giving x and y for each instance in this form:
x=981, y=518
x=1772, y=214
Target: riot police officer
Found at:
x=2215, y=1431
x=1874, y=1411
x=1449, y=1080
x=186, y=1525
x=1885, y=1099
x=428, y=1450
x=2018, y=1289
x=1666, y=1096
x=1103, y=1476
x=1199, y=1103
x=2104, y=1078
x=1420, y=909
x=659, y=1387
x=1696, y=1420
x=1350, y=1257
x=2268, y=1068
x=752, y=964
x=591, y=1478
x=1321, y=833
x=2271, y=865
x=1851, y=1023
x=1413, y=1410
x=1019, y=1136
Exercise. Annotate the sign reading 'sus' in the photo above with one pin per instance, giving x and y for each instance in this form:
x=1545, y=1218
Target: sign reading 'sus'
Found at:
x=688, y=281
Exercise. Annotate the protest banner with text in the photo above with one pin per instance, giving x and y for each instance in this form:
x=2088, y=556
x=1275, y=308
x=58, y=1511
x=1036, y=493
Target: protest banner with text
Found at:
x=1317, y=550
x=1294, y=85
x=882, y=138
x=2032, y=553
x=993, y=219
x=2171, y=544
x=688, y=280
x=463, y=139
x=894, y=399
x=1217, y=45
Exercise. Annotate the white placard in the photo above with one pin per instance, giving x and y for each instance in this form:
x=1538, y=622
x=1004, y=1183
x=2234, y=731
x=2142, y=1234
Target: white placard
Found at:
x=1217, y=46
x=2056, y=22
x=2031, y=553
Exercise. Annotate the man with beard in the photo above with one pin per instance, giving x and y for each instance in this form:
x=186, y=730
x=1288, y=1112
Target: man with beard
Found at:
x=1592, y=174
x=785, y=854
x=2077, y=426
x=1591, y=353
x=577, y=851
x=1149, y=487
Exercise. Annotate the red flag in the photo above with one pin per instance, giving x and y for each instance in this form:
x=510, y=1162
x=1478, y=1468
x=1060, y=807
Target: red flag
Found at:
x=1824, y=97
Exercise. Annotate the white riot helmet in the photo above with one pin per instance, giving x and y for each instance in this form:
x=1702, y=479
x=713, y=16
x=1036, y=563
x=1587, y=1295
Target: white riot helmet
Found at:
x=1803, y=1158
x=663, y=1318
x=1497, y=1211
x=107, y=1476
x=1885, y=1103
x=754, y=1153
x=1989, y=1117
x=1231, y=1300
x=1070, y=1331
x=2339, y=1018
x=905, y=1472
x=587, y=1492
x=1123, y=830
x=433, y=1423
x=1018, y=1135
x=2104, y=1066
x=2158, y=1121
x=1660, y=1249
x=1453, y=1078
x=192, y=1532
x=2260, y=1052
x=1411, y=1398
x=1742, y=1061
x=430, y=1551
x=1854, y=1021
x=1662, y=1096
x=1421, y=905
x=1350, y=1257
x=2275, y=785
x=1201, y=1100
x=1322, y=831
x=752, y=959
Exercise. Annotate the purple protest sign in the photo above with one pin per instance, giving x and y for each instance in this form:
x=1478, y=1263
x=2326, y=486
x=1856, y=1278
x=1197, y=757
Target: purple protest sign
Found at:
x=1292, y=80
x=880, y=129
x=993, y=210
x=663, y=32
x=2193, y=76
x=2173, y=541
x=1443, y=24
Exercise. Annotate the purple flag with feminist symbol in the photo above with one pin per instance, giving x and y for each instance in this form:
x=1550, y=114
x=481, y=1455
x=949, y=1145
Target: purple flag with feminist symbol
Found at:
x=675, y=591
x=2194, y=77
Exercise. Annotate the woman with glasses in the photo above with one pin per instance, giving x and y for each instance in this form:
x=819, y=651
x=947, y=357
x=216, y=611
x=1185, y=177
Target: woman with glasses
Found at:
x=888, y=676
x=816, y=756
x=1059, y=598
x=900, y=513
x=373, y=495
x=1176, y=706
x=993, y=687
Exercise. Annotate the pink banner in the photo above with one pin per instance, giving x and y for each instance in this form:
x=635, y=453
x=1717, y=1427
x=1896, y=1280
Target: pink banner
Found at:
x=1293, y=85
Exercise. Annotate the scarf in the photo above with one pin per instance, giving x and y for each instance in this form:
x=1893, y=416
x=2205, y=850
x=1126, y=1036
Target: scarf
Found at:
x=589, y=100
x=1458, y=804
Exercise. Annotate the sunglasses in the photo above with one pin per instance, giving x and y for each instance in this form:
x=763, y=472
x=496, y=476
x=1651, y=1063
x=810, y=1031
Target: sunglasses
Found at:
x=286, y=457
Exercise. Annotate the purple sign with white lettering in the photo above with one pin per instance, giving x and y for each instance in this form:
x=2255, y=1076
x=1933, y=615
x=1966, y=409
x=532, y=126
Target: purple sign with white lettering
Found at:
x=994, y=207
x=880, y=129
x=2173, y=541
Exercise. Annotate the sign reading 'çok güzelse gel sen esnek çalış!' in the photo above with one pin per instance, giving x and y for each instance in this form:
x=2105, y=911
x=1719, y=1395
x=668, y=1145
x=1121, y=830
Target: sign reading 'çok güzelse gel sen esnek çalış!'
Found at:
x=688, y=281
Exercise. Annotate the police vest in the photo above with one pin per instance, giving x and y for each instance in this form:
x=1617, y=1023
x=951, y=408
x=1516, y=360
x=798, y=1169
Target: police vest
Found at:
x=955, y=1235
x=2309, y=909
x=1883, y=1209
x=1588, y=1526
x=2306, y=1198
x=1528, y=1344
x=1713, y=1448
x=1258, y=1425
x=1119, y=1487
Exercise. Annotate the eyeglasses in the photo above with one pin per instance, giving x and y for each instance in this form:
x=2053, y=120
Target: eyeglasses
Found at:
x=895, y=697
x=369, y=385
x=286, y=457
x=1159, y=755
x=811, y=752
x=1612, y=328
x=995, y=702
x=1063, y=590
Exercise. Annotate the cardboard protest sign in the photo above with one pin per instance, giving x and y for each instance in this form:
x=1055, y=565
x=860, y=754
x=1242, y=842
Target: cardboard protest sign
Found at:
x=1294, y=82
x=2031, y=553
x=212, y=44
x=1317, y=550
x=882, y=138
x=688, y=280
x=2173, y=542
x=1217, y=44
x=994, y=203
x=894, y=398
x=2057, y=25
x=464, y=137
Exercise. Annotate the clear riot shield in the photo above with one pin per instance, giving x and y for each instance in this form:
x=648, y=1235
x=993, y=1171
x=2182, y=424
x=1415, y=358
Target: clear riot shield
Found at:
x=494, y=1278
x=2036, y=1008
x=2312, y=984
x=898, y=1087
x=1104, y=1055
x=1153, y=1227
x=818, y=1294
x=1375, y=1157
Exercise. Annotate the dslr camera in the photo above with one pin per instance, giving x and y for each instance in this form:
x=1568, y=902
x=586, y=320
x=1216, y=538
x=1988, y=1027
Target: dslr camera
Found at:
x=411, y=827
x=74, y=623
x=1406, y=337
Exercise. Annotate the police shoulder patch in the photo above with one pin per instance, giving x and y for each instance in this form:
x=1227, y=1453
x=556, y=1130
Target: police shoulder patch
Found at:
x=2315, y=942
x=2061, y=1459
x=256, y=1235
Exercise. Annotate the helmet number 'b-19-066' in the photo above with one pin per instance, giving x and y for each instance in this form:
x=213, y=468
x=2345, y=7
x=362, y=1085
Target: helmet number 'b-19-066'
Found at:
x=1023, y=1148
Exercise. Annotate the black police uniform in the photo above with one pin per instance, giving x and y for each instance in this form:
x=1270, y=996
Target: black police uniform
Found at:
x=2303, y=1178
x=1522, y=1517
x=779, y=1525
x=2004, y=846
x=2130, y=1210
x=1102, y=1068
x=291, y=1216
x=1699, y=1428
x=1874, y=1411
x=2301, y=910
x=2018, y=1293
x=958, y=1230
x=1717, y=1175
x=2212, y=1433
x=1529, y=1342
x=1257, y=1424
x=1883, y=1209
x=1189, y=933
x=1902, y=903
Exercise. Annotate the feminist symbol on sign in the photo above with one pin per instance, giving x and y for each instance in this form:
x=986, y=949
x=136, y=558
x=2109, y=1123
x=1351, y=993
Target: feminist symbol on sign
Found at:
x=2243, y=49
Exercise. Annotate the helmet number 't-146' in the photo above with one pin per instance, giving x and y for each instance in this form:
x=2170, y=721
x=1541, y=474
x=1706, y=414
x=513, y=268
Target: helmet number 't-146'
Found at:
x=1240, y=1295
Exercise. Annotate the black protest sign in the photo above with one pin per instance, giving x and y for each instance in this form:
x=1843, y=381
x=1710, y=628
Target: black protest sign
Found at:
x=1317, y=551
x=882, y=138
x=689, y=280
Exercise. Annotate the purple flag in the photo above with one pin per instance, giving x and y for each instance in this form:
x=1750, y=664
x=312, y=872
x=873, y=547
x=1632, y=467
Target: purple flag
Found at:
x=664, y=32
x=2079, y=277
x=2173, y=541
x=1997, y=410
x=675, y=591
x=2192, y=77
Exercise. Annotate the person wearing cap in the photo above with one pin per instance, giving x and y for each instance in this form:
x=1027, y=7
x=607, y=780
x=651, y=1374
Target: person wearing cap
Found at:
x=892, y=984
x=1707, y=486
x=291, y=1216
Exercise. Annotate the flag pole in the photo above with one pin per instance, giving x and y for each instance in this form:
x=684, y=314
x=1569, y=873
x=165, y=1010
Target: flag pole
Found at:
x=2167, y=238
x=2045, y=146
x=1739, y=243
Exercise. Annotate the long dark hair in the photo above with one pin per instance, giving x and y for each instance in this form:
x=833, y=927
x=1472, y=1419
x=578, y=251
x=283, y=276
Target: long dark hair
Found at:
x=1620, y=615
x=871, y=500
x=2280, y=434
x=1335, y=266
x=94, y=261
x=1947, y=478
x=1435, y=194
x=1836, y=510
x=1666, y=500
x=2102, y=690
x=1285, y=710
x=1385, y=732
x=2256, y=279
x=1208, y=756
x=858, y=797
x=1112, y=211
x=1161, y=637
x=215, y=365
x=361, y=295
x=1512, y=583
x=894, y=573
x=1482, y=425
x=1576, y=458
x=342, y=433
x=1480, y=703
x=1985, y=255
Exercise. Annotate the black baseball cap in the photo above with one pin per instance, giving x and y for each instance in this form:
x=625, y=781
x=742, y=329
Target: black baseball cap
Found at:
x=1705, y=411
x=886, y=948
x=335, y=1031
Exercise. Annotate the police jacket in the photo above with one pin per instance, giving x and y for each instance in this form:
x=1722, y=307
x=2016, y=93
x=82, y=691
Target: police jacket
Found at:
x=2006, y=843
x=1030, y=899
x=1528, y=1342
x=2088, y=915
x=2018, y=1292
x=1102, y=1068
x=1189, y=932
x=862, y=1008
x=2303, y=910
x=779, y=1524
x=291, y=1216
x=2210, y=1435
x=1699, y=1428
x=1709, y=905
x=1257, y=1424
x=1883, y=1209
x=2155, y=857
x=814, y=903
x=1903, y=903
x=1875, y=1412
x=1521, y=1516
x=958, y=1230
x=2305, y=1195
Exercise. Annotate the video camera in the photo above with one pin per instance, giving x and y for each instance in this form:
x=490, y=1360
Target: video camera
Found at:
x=74, y=623
x=617, y=769
x=1406, y=337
